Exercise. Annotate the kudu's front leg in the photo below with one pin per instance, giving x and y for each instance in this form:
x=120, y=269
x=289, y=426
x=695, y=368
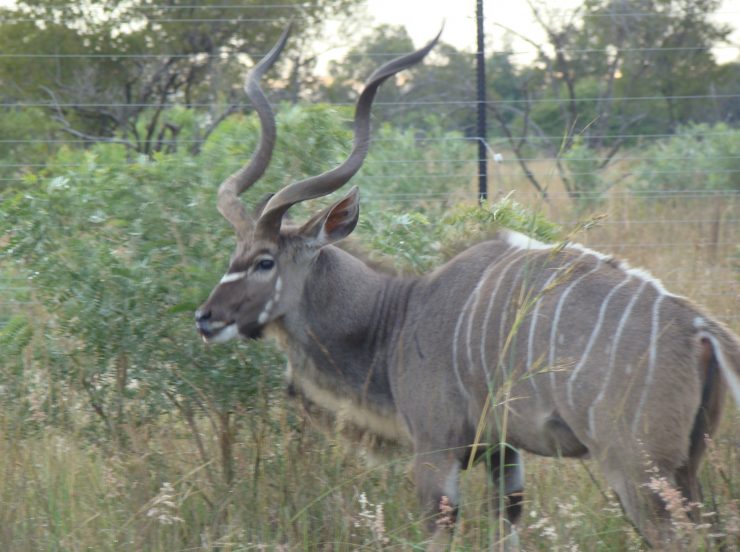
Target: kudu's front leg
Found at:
x=507, y=472
x=436, y=474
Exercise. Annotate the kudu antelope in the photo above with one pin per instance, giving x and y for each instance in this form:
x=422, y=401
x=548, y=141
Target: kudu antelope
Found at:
x=511, y=345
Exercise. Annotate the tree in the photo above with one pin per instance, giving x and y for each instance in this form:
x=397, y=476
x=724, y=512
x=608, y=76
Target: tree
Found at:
x=112, y=72
x=346, y=76
x=441, y=89
x=601, y=57
x=654, y=47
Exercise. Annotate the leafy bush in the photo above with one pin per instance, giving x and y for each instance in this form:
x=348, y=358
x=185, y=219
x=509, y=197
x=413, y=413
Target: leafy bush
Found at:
x=399, y=164
x=120, y=251
x=475, y=223
x=23, y=131
x=585, y=173
x=120, y=254
x=417, y=242
x=699, y=156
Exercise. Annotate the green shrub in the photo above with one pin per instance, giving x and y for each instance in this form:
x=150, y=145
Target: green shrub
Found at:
x=120, y=251
x=120, y=254
x=23, y=141
x=411, y=170
x=417, y=242
x=699, y=156
x=585, y=173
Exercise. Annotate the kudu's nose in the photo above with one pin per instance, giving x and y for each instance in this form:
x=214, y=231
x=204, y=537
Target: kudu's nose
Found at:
x=201, y=319
x=202, y=315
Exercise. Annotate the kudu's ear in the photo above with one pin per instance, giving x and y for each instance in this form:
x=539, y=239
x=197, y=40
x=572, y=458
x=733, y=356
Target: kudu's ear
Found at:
x=335, y=222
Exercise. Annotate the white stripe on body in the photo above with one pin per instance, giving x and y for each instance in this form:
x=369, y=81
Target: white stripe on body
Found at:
x=502, y=319
x=652, y=357
x=484, y=326
x=501, y=339
x=613, y=356
x=466, y=307
x=592, y=339
x=533, y=324
x=556, y=319
x=455, y=337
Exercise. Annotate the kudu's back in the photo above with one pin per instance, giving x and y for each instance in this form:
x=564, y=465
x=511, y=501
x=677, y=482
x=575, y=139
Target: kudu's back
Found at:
x=582, y=350
x=561, y=350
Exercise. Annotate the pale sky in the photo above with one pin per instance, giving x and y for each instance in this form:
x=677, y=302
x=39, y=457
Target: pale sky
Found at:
x=422, y=19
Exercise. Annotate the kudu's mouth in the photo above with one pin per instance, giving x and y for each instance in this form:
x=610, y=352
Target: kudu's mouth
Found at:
x=214, y=331
x=217, y=331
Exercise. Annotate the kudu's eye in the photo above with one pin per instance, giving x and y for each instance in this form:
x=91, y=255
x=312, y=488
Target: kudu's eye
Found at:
x=265, y=264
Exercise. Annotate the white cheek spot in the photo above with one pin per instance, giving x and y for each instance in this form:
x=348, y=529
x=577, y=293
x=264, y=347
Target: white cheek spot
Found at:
x=265, y=314
x=232, y=277
x=278, y=288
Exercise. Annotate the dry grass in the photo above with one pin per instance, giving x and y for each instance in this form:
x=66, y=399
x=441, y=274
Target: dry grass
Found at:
x=297, y=489
x=304, y=492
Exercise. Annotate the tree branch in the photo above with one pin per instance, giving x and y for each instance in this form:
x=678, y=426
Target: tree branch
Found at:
x=516, y=146
x=67, y=126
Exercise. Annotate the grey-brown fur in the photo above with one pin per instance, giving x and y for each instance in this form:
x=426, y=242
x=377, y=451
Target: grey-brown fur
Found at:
x=556, y=351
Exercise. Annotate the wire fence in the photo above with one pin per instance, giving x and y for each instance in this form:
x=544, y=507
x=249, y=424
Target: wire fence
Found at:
x=381, y=104
x=689, y=237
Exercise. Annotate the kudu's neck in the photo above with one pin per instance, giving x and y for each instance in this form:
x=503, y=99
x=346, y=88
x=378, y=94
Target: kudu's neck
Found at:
x=343, y=333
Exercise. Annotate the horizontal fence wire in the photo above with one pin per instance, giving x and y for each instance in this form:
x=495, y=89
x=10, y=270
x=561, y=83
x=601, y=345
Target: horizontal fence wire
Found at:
x=380, y=56
x=299, y=7
x=421, y=140
x=381, y=104
x=444, y=175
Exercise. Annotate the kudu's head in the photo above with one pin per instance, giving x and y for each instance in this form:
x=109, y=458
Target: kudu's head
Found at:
x=267, y=272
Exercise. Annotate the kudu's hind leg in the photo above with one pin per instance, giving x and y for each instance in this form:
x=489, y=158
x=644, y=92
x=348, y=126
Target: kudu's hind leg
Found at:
x=687, y=481
x=654, y=504
x=507, y=472
x=436, y=475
